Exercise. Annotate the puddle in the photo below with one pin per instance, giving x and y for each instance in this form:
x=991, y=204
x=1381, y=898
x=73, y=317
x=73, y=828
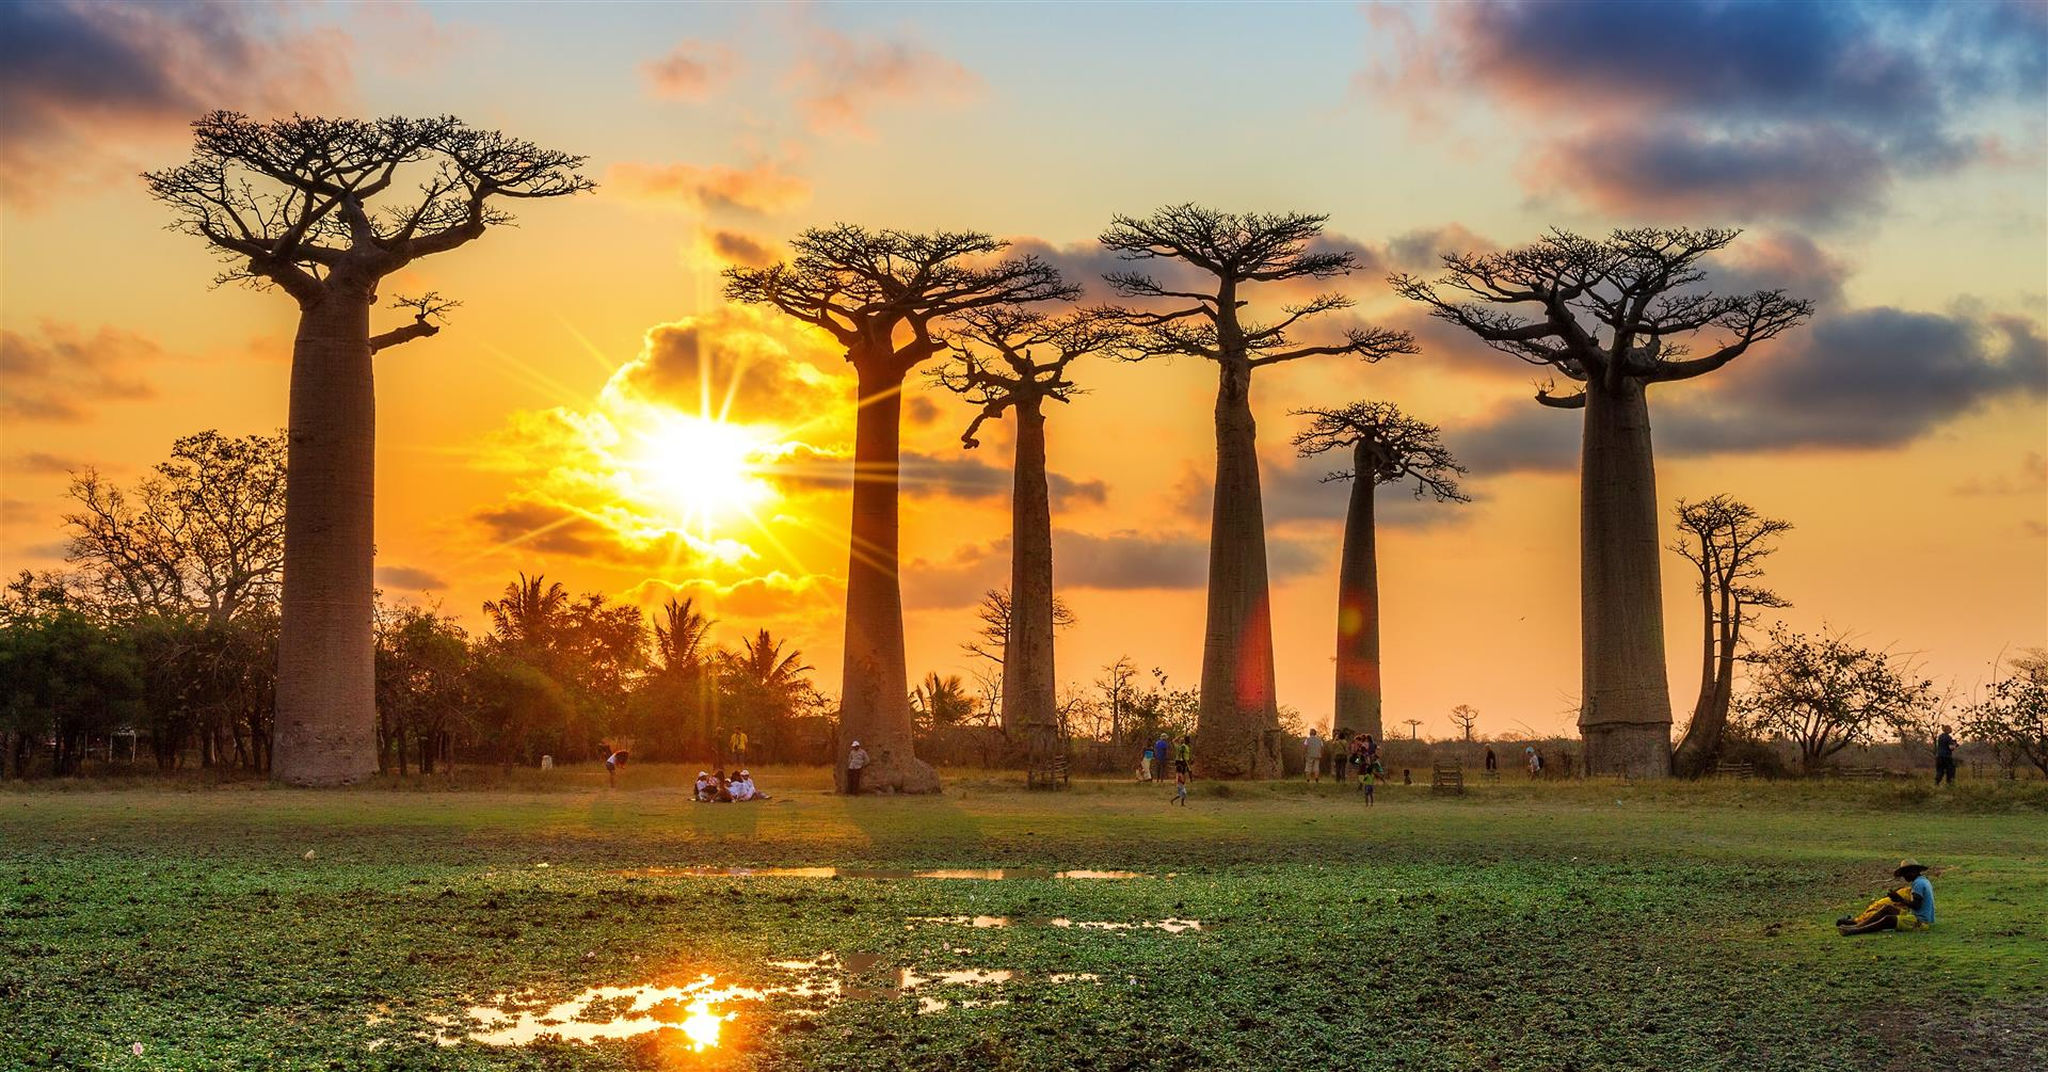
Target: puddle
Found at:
x=993, y=874
x=699, y=1009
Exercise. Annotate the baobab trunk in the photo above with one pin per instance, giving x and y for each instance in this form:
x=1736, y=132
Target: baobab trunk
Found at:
x=1237, y=733
x=326, y=670
x=1358, y=605
x=1701, y=748
x=1027, y=649
x=875, y=686
x=1625, y=715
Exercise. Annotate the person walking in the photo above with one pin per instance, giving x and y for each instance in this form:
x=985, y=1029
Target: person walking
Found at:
x=856, y=761
x=1183, y=757
x=1312, y=754
x=1145, y=764
x=1180, y=788
x=1945, y=757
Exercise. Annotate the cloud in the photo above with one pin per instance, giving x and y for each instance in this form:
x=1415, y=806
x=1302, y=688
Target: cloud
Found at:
x=763, y=189
x=61, y=374
x=1779, y=110
x=1132, y=560
x=738, y=361
x=735, y=247
x=841, y=79
x=2031, y=478
x=83, y=83
x=967, y=477
x=543, y=526
x=772, y=595
x=1867, y=379
x=409, y=578
x=36, y=461
x=693, y=70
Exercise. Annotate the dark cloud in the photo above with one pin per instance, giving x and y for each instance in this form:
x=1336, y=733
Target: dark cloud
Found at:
x=61, y=374
x=36, y=461
x=541, y=526
x=965, y=476
x=743, y=249
x=920, y=411
x=409, y=578
x=1130, y=560
x=80, y=80
x=1867, y=379
x=1758, y=110
x=727, y=355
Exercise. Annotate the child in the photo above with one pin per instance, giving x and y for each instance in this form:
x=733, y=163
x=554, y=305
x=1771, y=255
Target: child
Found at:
x=1368, y=776
x=1180, y=787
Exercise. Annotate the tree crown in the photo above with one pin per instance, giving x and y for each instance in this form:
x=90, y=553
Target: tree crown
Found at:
x=864, y=286
x=1004, y=356
x=291, y=202
x=1397, y=447
x=1617, y=308
x=1236, y=249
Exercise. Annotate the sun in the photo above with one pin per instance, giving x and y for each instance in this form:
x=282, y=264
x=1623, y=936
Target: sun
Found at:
x=697, y=472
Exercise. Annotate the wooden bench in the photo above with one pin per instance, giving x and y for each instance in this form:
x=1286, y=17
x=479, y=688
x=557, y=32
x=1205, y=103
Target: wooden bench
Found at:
x=1051, y=774
x=1744, y=771
x=1447, y=778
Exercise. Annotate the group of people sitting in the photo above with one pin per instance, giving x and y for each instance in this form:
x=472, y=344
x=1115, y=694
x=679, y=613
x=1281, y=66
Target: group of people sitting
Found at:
x=714, y=787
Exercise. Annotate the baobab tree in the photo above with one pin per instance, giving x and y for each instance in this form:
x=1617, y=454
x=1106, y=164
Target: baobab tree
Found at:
x=1013, y=360
x=1727, y=541
x=294, y=204
x=1465, y=716
x=1387, y=447
x=885, y=295
x=1612, y=315
x=1238, y=732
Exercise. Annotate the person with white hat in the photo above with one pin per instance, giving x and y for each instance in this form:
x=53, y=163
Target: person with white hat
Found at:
x=856, y=761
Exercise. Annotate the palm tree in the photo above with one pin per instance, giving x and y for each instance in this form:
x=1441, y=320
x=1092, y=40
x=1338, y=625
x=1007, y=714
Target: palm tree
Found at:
x=941, y=702
x=532, y=615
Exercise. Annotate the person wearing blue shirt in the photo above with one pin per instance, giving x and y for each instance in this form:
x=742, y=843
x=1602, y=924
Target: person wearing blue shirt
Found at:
x=1909, y=907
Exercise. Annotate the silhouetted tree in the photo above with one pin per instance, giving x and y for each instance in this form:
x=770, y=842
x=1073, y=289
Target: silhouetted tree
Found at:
x=2012, y=715
x=676, y=706
x=292, y=203
x=423, y=665
x=1727, y=541
x=941, y=703
x=1465, y=716
x=765, y=688
x=885, y=295
x=1239, y=729
x=1387, y=447
x=203, y=534
x=1008, y=359
x=1826, y=693
x=1611, y=315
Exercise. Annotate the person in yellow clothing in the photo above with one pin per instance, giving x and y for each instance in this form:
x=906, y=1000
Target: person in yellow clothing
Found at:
x=738, y=744
x=1907, y=908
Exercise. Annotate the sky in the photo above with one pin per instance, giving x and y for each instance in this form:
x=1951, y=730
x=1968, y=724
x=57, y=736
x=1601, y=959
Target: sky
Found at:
x=1889, y=161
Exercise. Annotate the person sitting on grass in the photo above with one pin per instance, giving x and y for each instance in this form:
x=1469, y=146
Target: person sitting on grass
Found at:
x=706, y=787
x=1907, y=908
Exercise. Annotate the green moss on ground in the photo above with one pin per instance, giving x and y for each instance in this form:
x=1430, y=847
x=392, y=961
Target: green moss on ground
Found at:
x=1584, y=926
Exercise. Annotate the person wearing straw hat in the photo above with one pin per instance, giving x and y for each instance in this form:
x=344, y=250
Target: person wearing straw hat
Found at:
x=1907, y=908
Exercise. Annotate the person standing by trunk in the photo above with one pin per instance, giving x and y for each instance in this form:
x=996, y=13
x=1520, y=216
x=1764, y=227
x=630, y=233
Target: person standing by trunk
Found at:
x=1945, y=757
x=1312, y=754
x=856, y=761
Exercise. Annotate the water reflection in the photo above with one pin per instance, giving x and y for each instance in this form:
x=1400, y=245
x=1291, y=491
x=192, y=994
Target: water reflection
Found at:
x=699, y=1009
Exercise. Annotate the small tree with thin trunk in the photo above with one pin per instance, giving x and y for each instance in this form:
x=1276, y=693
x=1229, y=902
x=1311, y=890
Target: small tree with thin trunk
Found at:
x=1387, y=447
x=2012, y=714
x=294, y=204
x=885, y=296
x=1612, y=315
x=1465, y=716
x=1012, y=360
x=1727, y=541
x=1239, y=730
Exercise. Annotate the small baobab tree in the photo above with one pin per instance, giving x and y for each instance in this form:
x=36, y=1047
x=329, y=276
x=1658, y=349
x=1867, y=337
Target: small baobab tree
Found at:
x=886, y=296
x=1013, y=360
x=1387, y=447
x=296, y=204
x=1465, y=716
x=1612, y=315
x=1239, y=729
x=1727, y=541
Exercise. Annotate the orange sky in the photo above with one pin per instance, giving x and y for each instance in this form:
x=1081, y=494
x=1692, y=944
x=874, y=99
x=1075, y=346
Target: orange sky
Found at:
x=1919, y=489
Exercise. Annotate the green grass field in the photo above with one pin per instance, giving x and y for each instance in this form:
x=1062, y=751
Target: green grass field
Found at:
x=1555, y=926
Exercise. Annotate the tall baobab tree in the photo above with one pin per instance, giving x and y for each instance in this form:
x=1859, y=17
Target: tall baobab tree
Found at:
x=1727, y=541
x=1012, y=360
x=1387, y=447
x=1238, y=731
x=1611, y=315
x=884, y=295
x=293, y=204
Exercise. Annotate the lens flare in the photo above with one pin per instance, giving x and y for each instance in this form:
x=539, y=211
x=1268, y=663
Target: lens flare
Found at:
x=697, y=471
